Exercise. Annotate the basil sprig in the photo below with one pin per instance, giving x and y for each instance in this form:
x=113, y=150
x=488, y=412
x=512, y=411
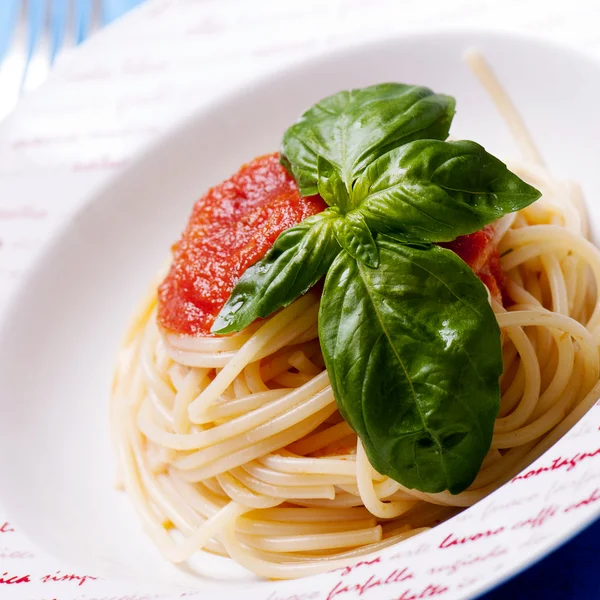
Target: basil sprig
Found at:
x=411, y=344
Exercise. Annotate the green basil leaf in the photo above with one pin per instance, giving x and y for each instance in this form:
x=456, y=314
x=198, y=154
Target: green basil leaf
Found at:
x=299, y=257
x=330, y=185
x=352, y=128
x=434, y=191
x=414, y=356
x=355, y=238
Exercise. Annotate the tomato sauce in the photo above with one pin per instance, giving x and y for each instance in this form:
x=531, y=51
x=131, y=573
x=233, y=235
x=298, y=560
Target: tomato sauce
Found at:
x=481, y=254
x=233, y=226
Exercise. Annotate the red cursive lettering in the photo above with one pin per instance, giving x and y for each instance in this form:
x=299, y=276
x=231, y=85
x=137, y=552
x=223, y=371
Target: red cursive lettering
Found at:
x=538, y=520
x=559, y=463
x=593, y=497
x=396, y=576
x=81, y=579
x=347, y=570
x=428, y=592
x=6, y=528
x=465, y=562
x=13, y=579
x=6, y=553
x=450, y=540
x=26, y=212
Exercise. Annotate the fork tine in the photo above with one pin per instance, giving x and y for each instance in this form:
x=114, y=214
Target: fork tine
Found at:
x=36, y=14
x=9, y=12
x=59, y=13
x=82, y=17
x=35, y=20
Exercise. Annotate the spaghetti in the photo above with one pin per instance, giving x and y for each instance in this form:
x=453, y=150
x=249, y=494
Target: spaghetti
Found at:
x=235, y=446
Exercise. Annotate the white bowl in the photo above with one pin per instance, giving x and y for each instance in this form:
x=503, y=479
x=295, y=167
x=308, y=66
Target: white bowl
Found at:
x=59, y=336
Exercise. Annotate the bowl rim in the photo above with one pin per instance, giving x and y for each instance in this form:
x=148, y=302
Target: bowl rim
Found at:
x=93, y=197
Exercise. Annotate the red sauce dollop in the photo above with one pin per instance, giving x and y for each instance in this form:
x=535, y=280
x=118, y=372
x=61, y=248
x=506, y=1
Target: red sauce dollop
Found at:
x=481, y=254
x=231, y=227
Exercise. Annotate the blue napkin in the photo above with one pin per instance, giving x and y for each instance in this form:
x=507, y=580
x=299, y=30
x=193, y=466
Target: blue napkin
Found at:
x=570, y=573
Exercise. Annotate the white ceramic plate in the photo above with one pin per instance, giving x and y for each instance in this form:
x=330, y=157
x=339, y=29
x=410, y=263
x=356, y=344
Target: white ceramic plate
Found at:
x=59, y=337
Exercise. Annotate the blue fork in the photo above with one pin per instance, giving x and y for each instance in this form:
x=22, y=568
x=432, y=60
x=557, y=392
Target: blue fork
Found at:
x=44, y=26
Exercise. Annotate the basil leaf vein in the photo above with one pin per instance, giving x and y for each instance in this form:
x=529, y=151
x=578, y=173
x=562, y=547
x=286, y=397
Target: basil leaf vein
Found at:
x=413, y=353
